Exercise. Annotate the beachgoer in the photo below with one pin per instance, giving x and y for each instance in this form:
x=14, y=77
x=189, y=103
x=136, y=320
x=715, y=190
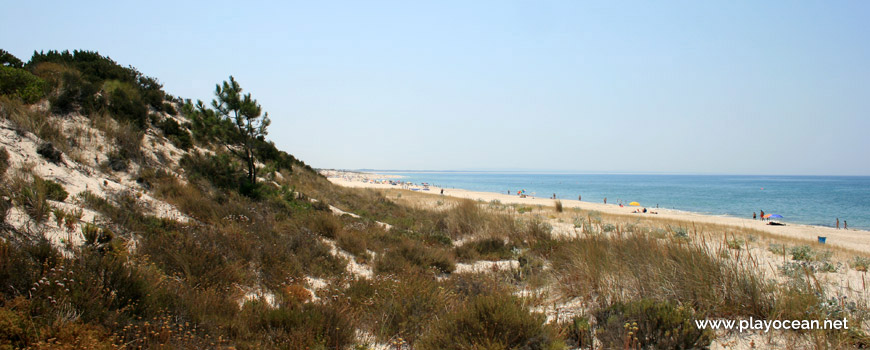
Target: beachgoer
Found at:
x=554, y=196
x=644, y=210
x=838, y=223
x=579, y=197
x=605, y=200
x=753, y=215
x=761, y=214
x=442, y=191
x=845, y=225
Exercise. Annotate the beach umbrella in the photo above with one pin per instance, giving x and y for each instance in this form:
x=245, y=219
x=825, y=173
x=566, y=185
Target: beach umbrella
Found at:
x=634, y=203
x=775, y=216
x=766, y=216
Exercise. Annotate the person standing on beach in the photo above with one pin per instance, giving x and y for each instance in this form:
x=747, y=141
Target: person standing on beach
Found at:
x=845, y=225
x=605, y=200
x=761, y=214
x=442, y=191
x=838, y=223
x=579, y=197
x=753, y=215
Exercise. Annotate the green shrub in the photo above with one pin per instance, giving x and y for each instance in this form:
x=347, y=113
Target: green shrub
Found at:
x=490, y=322
x=32, y=196
x=55, y=191
x=178, y=135
x=220, y=170
x=777, y=249
x=486, y=249
x=578, y=331
x=4, y=161
x=9, y=60
x=127, y=106
x=648, y=324
x=302, y=326
x=802, y=253
x=325, y=224
x=75, y=92
x=21, y=83
x=735, y=243
x=860, y=263
x=410, y=254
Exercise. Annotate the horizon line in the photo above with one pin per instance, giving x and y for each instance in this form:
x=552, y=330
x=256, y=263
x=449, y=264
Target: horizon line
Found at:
x=574, y=172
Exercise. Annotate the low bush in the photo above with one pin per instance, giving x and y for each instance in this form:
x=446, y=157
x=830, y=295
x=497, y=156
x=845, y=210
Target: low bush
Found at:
x=220, y=170
x=176, y=133
x=4, y=161
x=648, y=324
x=578, y=332
x=860, y=263
x=32, y=195
x=301, y=326
x=128, y=107
x=51, y=154
x=410, y=254
x=486, y=249
x=54, y=191
x=22, y=84
x=490, y=322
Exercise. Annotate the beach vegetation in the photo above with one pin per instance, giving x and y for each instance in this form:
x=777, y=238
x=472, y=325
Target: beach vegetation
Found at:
x=735, y=243
x=650, y=324
x=21, y=84
x=491, y=322
x=860, y=263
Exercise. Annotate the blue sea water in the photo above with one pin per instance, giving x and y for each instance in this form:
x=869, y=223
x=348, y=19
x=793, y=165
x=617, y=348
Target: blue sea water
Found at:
x=813, y=200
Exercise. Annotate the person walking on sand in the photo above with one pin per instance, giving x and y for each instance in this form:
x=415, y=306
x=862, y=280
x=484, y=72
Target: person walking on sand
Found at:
x=838, y=223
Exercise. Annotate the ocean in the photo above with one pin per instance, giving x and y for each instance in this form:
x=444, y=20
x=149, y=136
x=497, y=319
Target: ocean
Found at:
x=812, y=200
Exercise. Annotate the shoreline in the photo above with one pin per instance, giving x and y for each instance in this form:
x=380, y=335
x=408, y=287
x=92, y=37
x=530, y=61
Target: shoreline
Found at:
x=853, y=239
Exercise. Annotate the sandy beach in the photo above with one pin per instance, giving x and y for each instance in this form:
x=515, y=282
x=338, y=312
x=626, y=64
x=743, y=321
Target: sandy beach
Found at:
x=858, y=240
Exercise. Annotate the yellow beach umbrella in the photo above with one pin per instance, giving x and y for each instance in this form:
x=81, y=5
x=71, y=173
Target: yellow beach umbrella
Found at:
x=634, y=203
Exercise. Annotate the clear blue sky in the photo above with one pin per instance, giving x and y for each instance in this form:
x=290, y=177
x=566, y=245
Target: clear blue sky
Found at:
x=748, y=87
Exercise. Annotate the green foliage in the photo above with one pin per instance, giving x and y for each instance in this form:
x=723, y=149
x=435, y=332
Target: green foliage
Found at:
x=410, y=253
x=4, y=161
x=21, y=83
x=490, y=322
x=176, y=133
x=486, y=248
x=9, y=60
x=74, y=92
x=735, y=243
x=127, y=106
x=578, y=331
x=54, y=190
x=88, y=71
x=859, y=263
x=32, y=196
x=649, y=324
x=302, y=326
x=242, y=123
x=220, y=170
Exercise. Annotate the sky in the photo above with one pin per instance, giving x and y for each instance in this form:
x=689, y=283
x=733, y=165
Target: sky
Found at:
x=700, y=87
